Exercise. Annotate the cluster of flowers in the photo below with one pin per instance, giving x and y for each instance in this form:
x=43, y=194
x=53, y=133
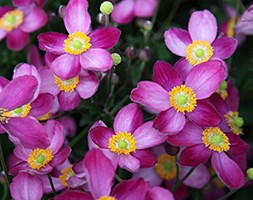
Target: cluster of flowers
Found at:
x=195, y=108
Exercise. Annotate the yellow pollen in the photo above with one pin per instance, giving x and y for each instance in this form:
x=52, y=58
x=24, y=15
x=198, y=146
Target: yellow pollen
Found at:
x=66, y=174
x=107, y=198
x=215, y=139
x=44, y=117
x=11, y=20
x=230, y=117
x=66, y=85
x=166, y=167
x=77, y=43
x=122, y=143
x=39, y=158
x=230, y=27
x=198, y=52
x=3, y=118
x=183, y=99
x=222, y=93
x=22, y=111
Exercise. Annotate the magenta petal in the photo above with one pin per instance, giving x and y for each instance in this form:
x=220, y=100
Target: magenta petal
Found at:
x=159, y=193
x=166, y=76
x=224, y=47
x=34, y=20
x=87, y=85
x=69, y=100
x=151, y=95
x=183, y=67
x=195, y=155
x=129, y=162
x=29, y=131
x=77, y=17
x=233, y=96
x=100, y=135
x=99, y=172
x=205, y=78
x=96, y=59
x=228, y=171
x=26, y=187
x=149, y=175
x=144, y=8
x=61, y=156
x=204, y=115
x=189, y=136
x=17, y=39
x=128, y=119
x=104, y=38
x=42, y=105
x=146, y=158
x=170, y=121
x=21, y=87
x=73, y=195
x=131, y=190
x=52, y=42
x=177, y=40
x=34, y=56
x=146, y=136
x=123, y=11
x=5, y=9
x=241, y=160
x=19, y=3
x=237, y=145
x=202, y=26
x=219, y=104
x=48, y=84
x=3, y=33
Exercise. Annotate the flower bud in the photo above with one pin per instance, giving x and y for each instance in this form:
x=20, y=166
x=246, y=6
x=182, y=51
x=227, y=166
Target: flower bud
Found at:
x=100, y=18
x=250, y=173
x=171, y=150
x=131, y=52
x=148, y=25
x=145, y=54
x=106, y=8
x=115, y=79
x=62, y=11
x=116, y=58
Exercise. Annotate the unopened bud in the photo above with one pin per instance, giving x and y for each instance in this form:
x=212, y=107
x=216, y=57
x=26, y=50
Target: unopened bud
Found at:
x=250, y=173
x=100, y=18
x=106, y=7
x=131, y=52
x=62, y=11
x=116, y=59
x=115, y=79
x=171, y=150
x=148, y=25
x=223, y=85
x=145, y=54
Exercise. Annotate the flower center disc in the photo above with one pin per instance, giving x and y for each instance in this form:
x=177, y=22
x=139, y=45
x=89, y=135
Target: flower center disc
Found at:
x=198, y=52
x=215, y=139
x=66, y=174
x=107, y=198
x=66, y=85
x=11, y=20
x=183, y=99
x=77, y=43
x=39, y=158
x=234, y=122
x=122, y=143
x=166, y=166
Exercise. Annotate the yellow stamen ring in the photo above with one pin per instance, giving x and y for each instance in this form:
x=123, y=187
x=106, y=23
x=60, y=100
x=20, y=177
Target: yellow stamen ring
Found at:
x=183, y=99
x=45, y=117
x=11, y=20
x=77, y=43
x=66, y=85
x=215, y=139
x=66, y=174
x=166, y=167
x=230, y=27
x=22, y=111
x=107, y=198
x=199, y=52
x=122, y=143
x=230, y=118
x=39, y=158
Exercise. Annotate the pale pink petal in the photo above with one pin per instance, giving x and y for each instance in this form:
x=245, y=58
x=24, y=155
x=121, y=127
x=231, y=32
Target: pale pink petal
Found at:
x=69, y=100
x=144, y=8
x=159, y=193
x=129, y=162
x=123, y=12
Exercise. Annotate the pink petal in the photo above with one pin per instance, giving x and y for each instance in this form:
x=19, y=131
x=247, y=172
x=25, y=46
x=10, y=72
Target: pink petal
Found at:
x=96, y=59
x=129, y=162
x=205, y=78
x=195, y=155
x=145, y=8
x=77, y=17
x=233, y=96
x=170, y=121
x=146, y=136
x=87, y=85
x=61, y=156
x=26, y=187
x=69, y=100
x=202, y=26
x=183, y=67
x=219, y=104
x=66, y=66
x=73, y=195
x=19, y=3
x=227, y=170
x=177, y=40
x=146, y=157
x=17, y=39
x=128, y=119
x=237, y=145
x=123, y=12
x=99, y=172
x=224, y=47
x=189, y=136
x=48, y=84
x=3, y=33
x=159, y=193
x=34, y=57
x=104, y=38
x=34, y=20
x=151, y=95
x=204, y=115
x=100, y=135
x=5, y=9
x=42, y=105
x=166, y=76
x=52, y=42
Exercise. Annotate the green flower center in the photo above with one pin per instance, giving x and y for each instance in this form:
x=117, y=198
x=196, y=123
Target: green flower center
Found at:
x=199, y=53
x=168, y=166
x=223, y=85
x=18, y=110
x=238, y=121
x=40, y=159
x=77, y=44
x=182, y=99
x=216, y=139
x=122, y=144
x=11, y=19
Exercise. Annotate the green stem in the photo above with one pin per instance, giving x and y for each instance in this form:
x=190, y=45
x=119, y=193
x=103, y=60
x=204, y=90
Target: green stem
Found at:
x=172, y=12
x=177, y=171
x=118, y=106
x=107, y=20
x=118, y=178
x=179, y=183
x=4, y=165
x=51, y=183
x=78, y=137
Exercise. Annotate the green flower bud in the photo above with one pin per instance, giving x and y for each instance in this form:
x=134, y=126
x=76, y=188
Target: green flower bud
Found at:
x=250, y=173
x=116, y=58
x=106, y=8
x=223, y=85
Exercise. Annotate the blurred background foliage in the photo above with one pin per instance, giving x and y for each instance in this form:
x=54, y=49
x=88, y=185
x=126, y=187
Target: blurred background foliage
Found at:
x=112, y=96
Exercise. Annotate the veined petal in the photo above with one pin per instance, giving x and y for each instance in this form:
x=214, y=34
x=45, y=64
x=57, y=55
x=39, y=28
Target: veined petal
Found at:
x=129, y=162
x=61, y=156
x=48, y=83
x=183, y=67
x=123, y=11
x=237, y=145
x=100, y=136
x=146, y=157
x=69, y=100
x=17, y=39
x=159, y=193
x=224, y=47
x=42, y=105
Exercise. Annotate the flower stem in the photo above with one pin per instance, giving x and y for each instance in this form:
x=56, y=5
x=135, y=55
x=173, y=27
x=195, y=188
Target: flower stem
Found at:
x=51, y=183
x=118, y=106
x=4, y=165
x=177, y=171
x=107, y=20
x=179, y=183
x=172, y=13
x=78, y=137
x=117, y=177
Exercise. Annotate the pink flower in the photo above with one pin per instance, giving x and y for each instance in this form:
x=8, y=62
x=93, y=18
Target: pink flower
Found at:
x=126, y=10
x=20, y=3
x=127, y=145
x=244, y=26
x=81, y=48
x=176, y=102
x=198, y=44
x=16, y=24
